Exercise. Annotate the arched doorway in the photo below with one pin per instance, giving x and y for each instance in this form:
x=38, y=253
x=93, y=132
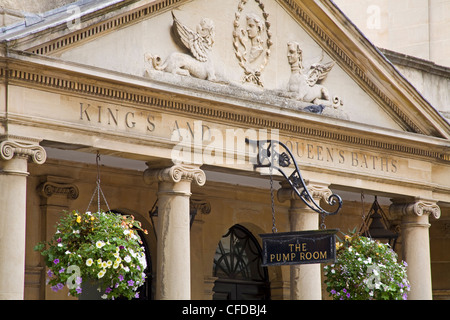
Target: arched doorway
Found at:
x=237, y=264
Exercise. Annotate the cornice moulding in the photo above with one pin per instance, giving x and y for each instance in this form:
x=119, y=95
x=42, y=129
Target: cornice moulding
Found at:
x=212, y=105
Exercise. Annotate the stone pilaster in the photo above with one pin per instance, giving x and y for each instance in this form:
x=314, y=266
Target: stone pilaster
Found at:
x=173, y=279
x=306, y=281
x=56, y=194
x=416, y=244
x=14, y=156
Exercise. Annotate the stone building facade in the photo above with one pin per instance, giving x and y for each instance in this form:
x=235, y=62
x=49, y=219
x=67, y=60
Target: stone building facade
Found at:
x=167, y=91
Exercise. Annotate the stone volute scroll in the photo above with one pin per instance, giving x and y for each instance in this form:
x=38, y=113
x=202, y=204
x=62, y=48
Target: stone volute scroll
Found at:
x=10, y=148
x=175, y=173
x=198, y=43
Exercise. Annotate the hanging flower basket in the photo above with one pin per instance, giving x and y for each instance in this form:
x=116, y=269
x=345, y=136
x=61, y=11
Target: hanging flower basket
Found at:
x=366, y=269
x=99, y=248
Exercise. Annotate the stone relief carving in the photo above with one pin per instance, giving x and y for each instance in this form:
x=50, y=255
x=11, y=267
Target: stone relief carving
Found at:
x=252, y=43
x=306, y=86
x=252, y=47
x=199, y=43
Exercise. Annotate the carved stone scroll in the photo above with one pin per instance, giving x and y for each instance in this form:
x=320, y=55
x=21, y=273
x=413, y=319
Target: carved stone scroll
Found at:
x=10, y=148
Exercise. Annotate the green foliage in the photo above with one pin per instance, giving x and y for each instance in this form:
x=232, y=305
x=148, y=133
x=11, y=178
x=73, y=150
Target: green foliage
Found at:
x=97, y=247
x=366, y=269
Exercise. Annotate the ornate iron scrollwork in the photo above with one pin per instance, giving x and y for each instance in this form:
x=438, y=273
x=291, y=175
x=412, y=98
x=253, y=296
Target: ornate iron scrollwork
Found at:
x=270, y=157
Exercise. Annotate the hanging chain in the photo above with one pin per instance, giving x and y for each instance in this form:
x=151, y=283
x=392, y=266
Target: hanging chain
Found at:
x=322, y=224
x=98, y=190
x=364, y=227
x=274, y=228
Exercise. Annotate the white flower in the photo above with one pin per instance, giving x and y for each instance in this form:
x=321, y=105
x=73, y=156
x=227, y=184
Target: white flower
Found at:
x=60, y=244
x=101, y=274
x=67, y=252
x=100, y=244
x=127, y=259
x=104, y=296
x=89, y=262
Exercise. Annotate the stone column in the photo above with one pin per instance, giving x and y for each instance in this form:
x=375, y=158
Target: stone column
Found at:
x=14, y=156
x=306, y=281
x=416, y=244
x=173, y=278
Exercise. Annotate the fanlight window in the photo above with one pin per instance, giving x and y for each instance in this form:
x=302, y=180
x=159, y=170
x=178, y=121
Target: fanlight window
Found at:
x=238, y=256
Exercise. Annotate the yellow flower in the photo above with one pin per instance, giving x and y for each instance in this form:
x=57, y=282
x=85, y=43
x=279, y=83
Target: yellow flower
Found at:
x=116, y=264
x=79, y=219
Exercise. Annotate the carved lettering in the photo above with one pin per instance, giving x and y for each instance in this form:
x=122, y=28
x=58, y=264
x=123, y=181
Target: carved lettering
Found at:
x=332, y=155
x=117, y=117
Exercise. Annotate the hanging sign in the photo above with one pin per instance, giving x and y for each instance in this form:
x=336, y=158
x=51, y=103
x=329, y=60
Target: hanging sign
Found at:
x=302, y=247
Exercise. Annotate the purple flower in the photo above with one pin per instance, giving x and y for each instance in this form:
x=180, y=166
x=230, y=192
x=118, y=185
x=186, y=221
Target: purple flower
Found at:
x=333, y=291
x=58, y=287
x=78, y=290
x=49, y=273
x=348, y=295
x=130, y=283
x=62, y=270
x=58, y=240
x=121, y=277
x=108, y=290
x=56, y=261
x=136, y=295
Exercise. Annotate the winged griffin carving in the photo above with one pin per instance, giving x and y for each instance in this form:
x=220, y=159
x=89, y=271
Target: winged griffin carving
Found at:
x=197, y=42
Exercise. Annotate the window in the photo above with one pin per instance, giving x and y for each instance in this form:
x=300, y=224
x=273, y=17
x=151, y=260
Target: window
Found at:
x=237, y=264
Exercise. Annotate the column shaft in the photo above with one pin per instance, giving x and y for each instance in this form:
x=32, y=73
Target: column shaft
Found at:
x=173, y=279
x=416, y=245
x=14, y=156
x=12, y=228
x=306, y=283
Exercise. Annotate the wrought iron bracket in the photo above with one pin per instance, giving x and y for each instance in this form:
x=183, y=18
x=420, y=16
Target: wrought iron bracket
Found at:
x=269, y=156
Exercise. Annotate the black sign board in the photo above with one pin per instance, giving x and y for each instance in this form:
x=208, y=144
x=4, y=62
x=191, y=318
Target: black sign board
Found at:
x=302, y=247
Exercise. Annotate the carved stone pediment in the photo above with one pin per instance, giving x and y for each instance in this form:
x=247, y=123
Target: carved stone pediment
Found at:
x=241, y=44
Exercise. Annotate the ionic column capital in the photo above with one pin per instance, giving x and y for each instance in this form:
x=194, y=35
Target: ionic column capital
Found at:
x=317, y=190
x=49, y=188
x=28, y=149
x=417, y=208
x=175, y=173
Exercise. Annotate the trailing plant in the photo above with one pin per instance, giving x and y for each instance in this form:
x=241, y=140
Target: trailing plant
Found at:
x=98, y=247
x=366, y=269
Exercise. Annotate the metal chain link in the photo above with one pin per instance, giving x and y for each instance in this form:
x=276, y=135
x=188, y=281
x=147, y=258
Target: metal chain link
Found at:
x=98, y=190
x=274, y=228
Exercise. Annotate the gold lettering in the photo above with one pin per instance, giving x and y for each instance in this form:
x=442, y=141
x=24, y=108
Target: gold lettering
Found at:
x=323, y=254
